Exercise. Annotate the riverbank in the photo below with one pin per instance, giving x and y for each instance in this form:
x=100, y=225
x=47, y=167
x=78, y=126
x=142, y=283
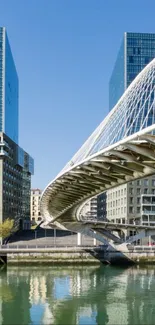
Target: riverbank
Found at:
x=65, y=255
x=76, y=255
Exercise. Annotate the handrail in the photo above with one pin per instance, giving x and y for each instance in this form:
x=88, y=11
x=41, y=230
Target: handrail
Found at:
x=17, y=247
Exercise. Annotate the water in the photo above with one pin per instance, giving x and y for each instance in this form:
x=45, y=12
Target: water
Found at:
x=77, y=295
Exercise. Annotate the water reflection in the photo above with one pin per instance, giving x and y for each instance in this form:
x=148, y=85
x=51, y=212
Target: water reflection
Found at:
x=77, y=295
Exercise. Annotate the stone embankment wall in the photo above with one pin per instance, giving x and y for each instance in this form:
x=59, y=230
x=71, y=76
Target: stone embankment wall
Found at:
x=140, y=255
x=76, y=256
x=55, y=256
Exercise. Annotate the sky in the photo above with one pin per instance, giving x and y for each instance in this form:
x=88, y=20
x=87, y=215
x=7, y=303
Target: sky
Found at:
x=64, y=52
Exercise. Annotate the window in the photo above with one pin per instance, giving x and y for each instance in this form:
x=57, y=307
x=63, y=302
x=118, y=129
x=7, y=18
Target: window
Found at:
x=138, y=183
x=145, y=190
x=152, y=218
x=131, y=190
x=153, y=191
x=146, y=60
x=146, y=182
x=138, y=200
x=130, y=209
x=145, y=218
x=138, y=209
x=131, y=59
x=131, y=200
x=153, y=182
x=138, y=191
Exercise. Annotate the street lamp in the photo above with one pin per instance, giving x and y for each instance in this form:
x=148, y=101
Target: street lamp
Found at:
x=35, y=234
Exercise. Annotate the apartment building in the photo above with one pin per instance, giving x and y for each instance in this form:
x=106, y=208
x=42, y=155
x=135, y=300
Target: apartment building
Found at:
x=35, y=205
x=132, y=203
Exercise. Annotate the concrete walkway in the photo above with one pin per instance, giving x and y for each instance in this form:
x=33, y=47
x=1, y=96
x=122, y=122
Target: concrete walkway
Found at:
x=49, y=237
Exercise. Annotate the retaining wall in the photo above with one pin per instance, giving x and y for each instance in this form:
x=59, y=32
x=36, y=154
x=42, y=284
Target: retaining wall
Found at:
x=76, y=256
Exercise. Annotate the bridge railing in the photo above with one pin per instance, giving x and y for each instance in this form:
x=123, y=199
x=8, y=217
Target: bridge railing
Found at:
x=141, y=248
x=17, y=247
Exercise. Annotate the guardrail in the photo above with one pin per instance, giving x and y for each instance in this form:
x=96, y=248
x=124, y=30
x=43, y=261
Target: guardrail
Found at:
x=101, y=247
x=141, y=248
x=17, y=247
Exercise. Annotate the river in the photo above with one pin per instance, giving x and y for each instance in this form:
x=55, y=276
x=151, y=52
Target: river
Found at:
x=77, y=295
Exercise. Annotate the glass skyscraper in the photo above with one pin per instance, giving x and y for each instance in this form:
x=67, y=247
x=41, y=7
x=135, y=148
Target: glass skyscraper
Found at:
x=16, y=166
x=136, y=51
x=8, y=89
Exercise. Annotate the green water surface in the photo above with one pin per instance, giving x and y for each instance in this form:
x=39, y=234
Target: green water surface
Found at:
x=77, y=295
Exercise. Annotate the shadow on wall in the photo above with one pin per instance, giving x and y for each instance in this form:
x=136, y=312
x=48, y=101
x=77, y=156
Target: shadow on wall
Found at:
x=26, y=235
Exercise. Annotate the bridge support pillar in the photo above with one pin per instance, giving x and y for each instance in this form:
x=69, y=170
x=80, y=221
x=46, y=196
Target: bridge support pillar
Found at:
x=79, y=238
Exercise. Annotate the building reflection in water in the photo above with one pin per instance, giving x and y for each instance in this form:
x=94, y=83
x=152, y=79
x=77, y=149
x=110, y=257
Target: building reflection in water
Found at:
x=86, y=295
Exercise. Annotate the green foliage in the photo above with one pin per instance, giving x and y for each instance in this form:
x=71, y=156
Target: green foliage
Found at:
x=6, y=228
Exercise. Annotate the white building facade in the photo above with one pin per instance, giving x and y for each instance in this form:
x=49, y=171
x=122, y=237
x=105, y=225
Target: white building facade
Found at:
x=133, y=202
x=35, y=205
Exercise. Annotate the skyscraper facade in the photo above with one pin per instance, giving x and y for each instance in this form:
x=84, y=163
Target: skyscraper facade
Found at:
x=136, y=51
x=129, y=202
x=16, y=166
x=8, y=90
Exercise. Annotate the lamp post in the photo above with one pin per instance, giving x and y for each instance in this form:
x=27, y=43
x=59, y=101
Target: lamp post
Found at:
x=54, y=236
x=35, y=234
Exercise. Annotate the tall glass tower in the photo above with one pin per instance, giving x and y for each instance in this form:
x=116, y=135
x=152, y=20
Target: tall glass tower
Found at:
x=16, y=165
x=136, y=51
x=8, y=89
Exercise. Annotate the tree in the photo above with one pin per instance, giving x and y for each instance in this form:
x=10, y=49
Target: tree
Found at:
x=6, y=228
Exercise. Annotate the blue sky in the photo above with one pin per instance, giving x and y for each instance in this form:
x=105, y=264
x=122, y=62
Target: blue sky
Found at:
x=64, y=51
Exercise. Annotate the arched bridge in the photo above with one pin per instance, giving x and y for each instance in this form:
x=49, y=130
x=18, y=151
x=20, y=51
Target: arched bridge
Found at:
x=121, y=149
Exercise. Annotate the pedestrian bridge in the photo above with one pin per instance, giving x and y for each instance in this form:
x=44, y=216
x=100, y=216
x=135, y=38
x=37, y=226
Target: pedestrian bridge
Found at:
x=121, y=149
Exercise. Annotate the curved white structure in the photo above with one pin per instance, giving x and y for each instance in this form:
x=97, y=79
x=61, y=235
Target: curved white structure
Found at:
x=121, y=149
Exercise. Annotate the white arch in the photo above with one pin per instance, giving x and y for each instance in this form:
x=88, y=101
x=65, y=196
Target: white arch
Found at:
x=119, y=150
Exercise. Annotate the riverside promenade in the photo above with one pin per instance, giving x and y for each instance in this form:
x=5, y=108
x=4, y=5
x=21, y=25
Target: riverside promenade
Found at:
x=61, y=247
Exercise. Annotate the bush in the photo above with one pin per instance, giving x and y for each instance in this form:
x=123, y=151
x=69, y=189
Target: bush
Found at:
x=6, y=228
